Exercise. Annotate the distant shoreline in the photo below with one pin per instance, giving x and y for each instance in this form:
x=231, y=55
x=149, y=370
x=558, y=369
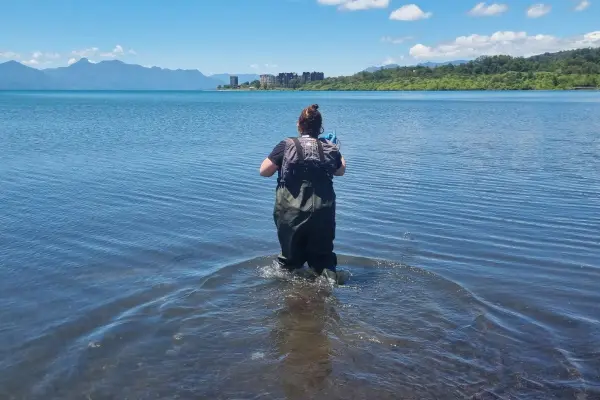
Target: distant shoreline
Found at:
x=574, y=89
x=577, y=70
x=594, y=89
x=257, y=90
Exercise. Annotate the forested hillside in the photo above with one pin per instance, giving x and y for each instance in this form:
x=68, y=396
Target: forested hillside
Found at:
x=563, y=70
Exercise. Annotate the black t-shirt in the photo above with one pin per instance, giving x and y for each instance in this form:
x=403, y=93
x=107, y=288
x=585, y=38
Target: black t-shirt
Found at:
x=276, y=155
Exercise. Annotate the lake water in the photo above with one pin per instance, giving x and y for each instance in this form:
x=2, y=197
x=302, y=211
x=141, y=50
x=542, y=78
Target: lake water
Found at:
x=136, y=242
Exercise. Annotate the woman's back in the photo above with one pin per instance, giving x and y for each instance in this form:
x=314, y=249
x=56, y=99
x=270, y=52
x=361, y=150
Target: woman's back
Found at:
x=306, y=159
x=304, y=211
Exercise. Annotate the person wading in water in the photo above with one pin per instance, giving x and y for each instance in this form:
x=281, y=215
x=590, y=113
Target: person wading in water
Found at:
x=304, y=211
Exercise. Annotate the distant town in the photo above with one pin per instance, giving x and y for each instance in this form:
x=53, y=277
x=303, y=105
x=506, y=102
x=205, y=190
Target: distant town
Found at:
x=289, y=80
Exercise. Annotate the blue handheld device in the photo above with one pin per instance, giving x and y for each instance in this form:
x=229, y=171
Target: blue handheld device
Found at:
x=331, y=137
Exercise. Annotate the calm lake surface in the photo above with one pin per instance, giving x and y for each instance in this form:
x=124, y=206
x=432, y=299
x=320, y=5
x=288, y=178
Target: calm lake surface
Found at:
x=136, y=241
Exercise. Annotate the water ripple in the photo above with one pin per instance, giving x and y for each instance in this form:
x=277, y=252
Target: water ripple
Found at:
x=135, y=256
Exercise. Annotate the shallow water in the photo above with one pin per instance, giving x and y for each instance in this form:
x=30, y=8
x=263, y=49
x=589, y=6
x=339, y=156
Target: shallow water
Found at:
x=136, y=241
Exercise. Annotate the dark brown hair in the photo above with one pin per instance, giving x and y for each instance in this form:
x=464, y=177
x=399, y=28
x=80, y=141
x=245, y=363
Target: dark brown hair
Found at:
x=311, y=121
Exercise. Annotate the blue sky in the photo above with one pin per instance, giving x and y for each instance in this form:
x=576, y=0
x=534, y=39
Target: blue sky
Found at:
x=334, y=36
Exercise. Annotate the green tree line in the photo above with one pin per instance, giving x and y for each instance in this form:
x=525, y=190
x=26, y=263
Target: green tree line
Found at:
x=549, y=71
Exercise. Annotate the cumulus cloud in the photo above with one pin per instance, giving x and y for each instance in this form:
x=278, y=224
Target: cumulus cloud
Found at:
x=395, y=40
x=483, y=10
x=410, y=12
x=116, y=52
x=355, y=5
x=538, y=10
x=584, y=4
x=38, y=58
x=71, y=61
x=507, y=42
x=92, y=51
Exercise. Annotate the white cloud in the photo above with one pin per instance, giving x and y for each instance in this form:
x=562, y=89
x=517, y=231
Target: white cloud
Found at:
x=356, y=5
x=37, y=57
x=483, y=10
x=410, y=12
x=507, y=43
x=71, y=61
x=583, y=4
x=538, y=10
x=92, y=51
x=116, y=52
x=395, y=40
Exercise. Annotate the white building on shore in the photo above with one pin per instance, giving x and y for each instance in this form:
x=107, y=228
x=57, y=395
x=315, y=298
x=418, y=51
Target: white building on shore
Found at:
x=268, y=80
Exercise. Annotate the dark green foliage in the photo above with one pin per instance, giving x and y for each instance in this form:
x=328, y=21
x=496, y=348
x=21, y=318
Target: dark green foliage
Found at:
x=562, y=70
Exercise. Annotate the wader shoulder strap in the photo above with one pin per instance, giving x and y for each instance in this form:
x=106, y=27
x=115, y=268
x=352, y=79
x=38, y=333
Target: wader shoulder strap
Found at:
x=299, y=149
x=321, y=154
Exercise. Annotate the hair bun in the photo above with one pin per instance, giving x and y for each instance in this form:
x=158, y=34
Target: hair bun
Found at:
x=315, y=106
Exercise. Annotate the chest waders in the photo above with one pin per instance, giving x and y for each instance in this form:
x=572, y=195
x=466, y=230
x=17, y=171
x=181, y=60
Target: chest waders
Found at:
x=304, y=211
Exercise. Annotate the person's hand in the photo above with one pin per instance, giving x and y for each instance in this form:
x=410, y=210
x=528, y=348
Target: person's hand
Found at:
x=342, y=169
x=331, y=137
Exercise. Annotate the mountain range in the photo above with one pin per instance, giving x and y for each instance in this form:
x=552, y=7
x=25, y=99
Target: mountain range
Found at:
x=434, y=64
x=117, y=75
x=108, y=75
x=429, y=64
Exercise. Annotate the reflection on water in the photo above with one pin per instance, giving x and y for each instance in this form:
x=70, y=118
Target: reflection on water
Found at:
x=302, y=341
x=252, y=331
